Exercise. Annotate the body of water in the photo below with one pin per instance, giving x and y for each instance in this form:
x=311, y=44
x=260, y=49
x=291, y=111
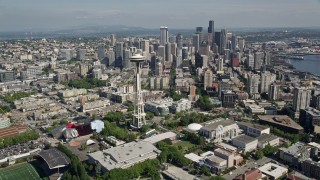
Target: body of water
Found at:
x=311, y=64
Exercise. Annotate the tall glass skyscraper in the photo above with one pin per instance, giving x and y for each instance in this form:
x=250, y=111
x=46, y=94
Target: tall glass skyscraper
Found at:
x=164, y=35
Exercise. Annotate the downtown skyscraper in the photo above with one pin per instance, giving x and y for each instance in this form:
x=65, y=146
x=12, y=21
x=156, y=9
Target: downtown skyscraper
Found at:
x=164, y=35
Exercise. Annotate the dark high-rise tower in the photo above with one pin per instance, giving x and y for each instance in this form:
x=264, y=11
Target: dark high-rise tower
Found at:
x=211, y=32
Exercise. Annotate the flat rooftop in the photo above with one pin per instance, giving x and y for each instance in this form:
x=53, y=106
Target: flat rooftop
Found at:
x=266, y=137
x=160, y=137
x=296, y=148
x=178, y=173
x=244, y=139
x=282, y=120
x=254, y=126
x=209, y=126
x=125, y=155
x=273, y=170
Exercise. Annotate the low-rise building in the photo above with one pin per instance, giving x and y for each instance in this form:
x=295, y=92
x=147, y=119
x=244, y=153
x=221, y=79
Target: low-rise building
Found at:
x=282, y=122
x=295, y=154
x=72, y=92
x=220, y=129
x=33, y=103
x=309, y=118
x=268, y=139
x=273, y=171
x=125, y=155
x=232, y=158
x=181, y=105
x=94, y=105
x=253, y=129
x=246, y=143
x=252, y=174
x=311, y=169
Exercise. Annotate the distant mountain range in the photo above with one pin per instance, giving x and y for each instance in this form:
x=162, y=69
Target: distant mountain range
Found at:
x=90, y=30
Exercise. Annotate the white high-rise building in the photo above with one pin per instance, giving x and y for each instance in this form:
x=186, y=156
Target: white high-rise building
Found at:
x=196, y=41
x=220, y=64
x=274, y=92
x=145, y=46
x=250, y=61
x=266, y=79
x=164, y=35
x=162, y=53
x=253, y=86
x=301, y=99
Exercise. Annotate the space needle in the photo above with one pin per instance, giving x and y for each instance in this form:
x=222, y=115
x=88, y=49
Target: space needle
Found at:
x=139, y=117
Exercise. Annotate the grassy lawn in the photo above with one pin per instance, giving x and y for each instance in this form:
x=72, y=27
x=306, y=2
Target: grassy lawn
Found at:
x=22, y=171
x=184, y=146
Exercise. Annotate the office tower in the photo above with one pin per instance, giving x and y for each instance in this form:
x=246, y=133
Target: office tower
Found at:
x=234, y=43
x=258, y=60
x=137, y=43
x=207, y=80
x=211, y=30
x=173, y=49
x=198, y=61
x=126, y=59
x=253, y=86
x=185, y=54
x=204, y=61
x=179, y=58
x=168, y=52
x=81, y=54
x=223, y=41
x=113, y=39
x=172, y=39
x=153, y=60
x=159, y=69
x=101, y=52
x=223, y=86
x=151, y=48
x=250, y=61
x=139, y=117
x=301, y=98
x=199, y=31
x=235, y=62
x=309, y=118
x=192, y=90
x=274, y=92
x=119, y=55
x=220, y=64
x=267, y=58
x=162, y=53
x=196, y=41
x=145, y=46
x=111, y=59
x=228, y=99
x=164, y=35
x=204, y=48
x=266, y=79
x=66, y=54
x=179, y=40
x=217, y=38
x=241, y=44
x=84, y=69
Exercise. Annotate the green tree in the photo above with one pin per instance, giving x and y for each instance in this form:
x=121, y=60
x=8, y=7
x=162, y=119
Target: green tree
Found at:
x=259, y=154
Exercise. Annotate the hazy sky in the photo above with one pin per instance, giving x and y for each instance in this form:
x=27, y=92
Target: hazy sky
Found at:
x=59, y=14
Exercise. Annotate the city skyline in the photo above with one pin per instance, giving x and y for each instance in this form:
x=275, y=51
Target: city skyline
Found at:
x=46, y=15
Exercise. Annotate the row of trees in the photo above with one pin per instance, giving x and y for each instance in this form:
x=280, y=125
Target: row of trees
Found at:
x=77, y=169
x=204, y=103
x=148, y=169
x=111, y=129
x=266, y=151
x=171, y=154
x=87, y=83
x=194, y=138
x=188, y=118
x=21, y=138
x=10, y=98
